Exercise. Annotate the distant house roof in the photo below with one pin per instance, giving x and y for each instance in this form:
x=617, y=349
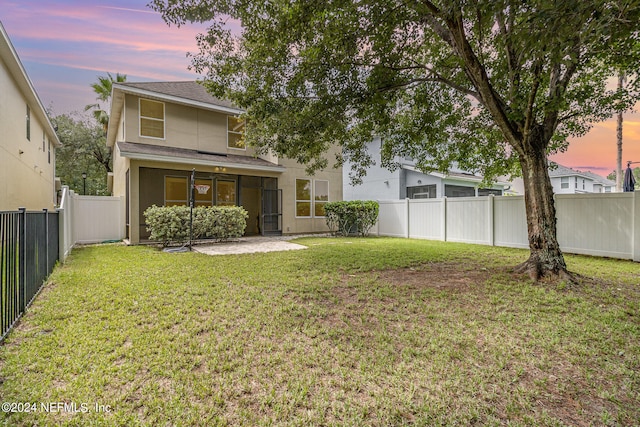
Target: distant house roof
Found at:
x=194, y=157
x=10, y=58
x=557, y=170
x=600, y=180
x=459, y=176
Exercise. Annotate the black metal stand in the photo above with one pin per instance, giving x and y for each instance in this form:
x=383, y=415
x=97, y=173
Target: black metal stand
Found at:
x=192, y=187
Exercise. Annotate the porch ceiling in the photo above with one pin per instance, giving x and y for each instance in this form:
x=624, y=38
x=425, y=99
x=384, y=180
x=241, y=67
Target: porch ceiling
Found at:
x=182, y=155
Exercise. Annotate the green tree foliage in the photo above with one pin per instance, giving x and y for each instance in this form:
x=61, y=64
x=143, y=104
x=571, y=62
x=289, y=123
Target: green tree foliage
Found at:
x=103, y=88
x=489, y=84
x=82, y=143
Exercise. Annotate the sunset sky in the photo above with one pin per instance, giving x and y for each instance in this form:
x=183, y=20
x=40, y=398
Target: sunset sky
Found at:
x=64, y=45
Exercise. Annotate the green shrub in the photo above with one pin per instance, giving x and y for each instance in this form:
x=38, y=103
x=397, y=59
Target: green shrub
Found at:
x=170, y=224
x=356, y=216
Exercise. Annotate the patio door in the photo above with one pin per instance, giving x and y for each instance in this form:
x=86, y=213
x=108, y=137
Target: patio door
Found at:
x=271, y=212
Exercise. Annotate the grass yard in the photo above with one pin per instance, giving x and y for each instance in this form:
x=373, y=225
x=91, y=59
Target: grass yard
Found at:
x=350, y=332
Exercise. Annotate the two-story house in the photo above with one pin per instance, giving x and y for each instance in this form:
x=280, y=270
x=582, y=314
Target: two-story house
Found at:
x=409, y=182
x=570, y=181
x=161, y=131
x=28, y=141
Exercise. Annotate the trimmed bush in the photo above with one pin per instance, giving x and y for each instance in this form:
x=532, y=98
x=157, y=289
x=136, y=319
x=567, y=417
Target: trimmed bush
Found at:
x=356, y=216
x=170, y=224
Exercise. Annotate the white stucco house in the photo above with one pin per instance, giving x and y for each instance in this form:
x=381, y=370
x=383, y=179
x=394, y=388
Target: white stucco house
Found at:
x=408, y=182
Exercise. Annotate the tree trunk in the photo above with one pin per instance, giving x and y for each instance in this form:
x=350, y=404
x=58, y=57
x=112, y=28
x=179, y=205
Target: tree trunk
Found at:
x=621, y=81
x=545, y=255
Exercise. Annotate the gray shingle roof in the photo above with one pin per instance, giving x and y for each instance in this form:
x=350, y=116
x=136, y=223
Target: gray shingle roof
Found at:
x=191, y=90
x=174, y=154
x=557, y=170
x=599, y=179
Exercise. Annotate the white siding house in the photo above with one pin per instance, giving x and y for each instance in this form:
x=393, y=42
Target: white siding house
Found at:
x=570, y=181
x=408, y=182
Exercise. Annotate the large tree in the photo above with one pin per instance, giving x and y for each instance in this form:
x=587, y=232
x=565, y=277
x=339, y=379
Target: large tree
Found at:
x=490, y=84
x=81, y=140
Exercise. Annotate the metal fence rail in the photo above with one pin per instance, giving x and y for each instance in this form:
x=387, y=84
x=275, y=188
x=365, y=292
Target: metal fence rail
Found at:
x=28, y=254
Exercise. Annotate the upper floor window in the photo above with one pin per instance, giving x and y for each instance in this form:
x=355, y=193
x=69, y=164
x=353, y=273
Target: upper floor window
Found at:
x=564, y=182
x=151, y=119
x=43, y=141
x=49, y=153
x=576, y=182
x=28, y=123
x=235, y=133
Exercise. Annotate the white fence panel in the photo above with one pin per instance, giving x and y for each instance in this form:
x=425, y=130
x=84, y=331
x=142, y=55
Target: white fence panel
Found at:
x=591, y=224
x=426, y=219
x=510, y=222
x=65, y=231
x=596, y=224
x=468, y=220
x=97, y=218
x=393, y=218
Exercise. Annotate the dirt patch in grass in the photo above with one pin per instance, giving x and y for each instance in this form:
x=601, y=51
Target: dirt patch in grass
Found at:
x=440, y=275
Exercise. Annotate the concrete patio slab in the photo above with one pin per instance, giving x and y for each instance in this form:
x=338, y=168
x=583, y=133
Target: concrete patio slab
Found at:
x=248, y=245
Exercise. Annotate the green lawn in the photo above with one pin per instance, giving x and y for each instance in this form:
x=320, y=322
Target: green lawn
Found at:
x=350, y=332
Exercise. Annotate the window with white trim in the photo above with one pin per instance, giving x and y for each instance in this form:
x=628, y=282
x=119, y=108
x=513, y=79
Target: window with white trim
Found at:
x=28, y=123
x=151, y=119
x=320, y=197
x=303, y=198
x=311, y=196
x=564, y=182
x=235, y=133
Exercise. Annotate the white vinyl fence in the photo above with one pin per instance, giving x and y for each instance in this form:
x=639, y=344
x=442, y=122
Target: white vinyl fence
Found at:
x=600, y=224
x=89, y=219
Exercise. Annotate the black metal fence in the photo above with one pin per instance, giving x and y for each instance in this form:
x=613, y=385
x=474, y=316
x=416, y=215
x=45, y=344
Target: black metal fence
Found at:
x=28, y=253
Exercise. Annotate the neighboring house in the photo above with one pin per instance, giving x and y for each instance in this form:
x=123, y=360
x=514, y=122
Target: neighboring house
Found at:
x=409, y=182
x=28, y=140
x=600, y=184
x=160, y=131
x=570, y=181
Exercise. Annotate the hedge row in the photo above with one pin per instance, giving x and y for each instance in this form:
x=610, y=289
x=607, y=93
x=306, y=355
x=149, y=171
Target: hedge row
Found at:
x=170, y=224
x=351, y=217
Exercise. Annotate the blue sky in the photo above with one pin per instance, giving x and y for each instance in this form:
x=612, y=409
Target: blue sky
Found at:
x=64, y=45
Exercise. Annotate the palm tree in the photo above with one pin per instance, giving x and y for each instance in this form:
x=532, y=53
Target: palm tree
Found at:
x=103, y=89
x=621, y=81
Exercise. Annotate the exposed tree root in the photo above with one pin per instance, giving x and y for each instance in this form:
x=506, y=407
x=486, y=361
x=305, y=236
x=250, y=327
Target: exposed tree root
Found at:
x=537, y=270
